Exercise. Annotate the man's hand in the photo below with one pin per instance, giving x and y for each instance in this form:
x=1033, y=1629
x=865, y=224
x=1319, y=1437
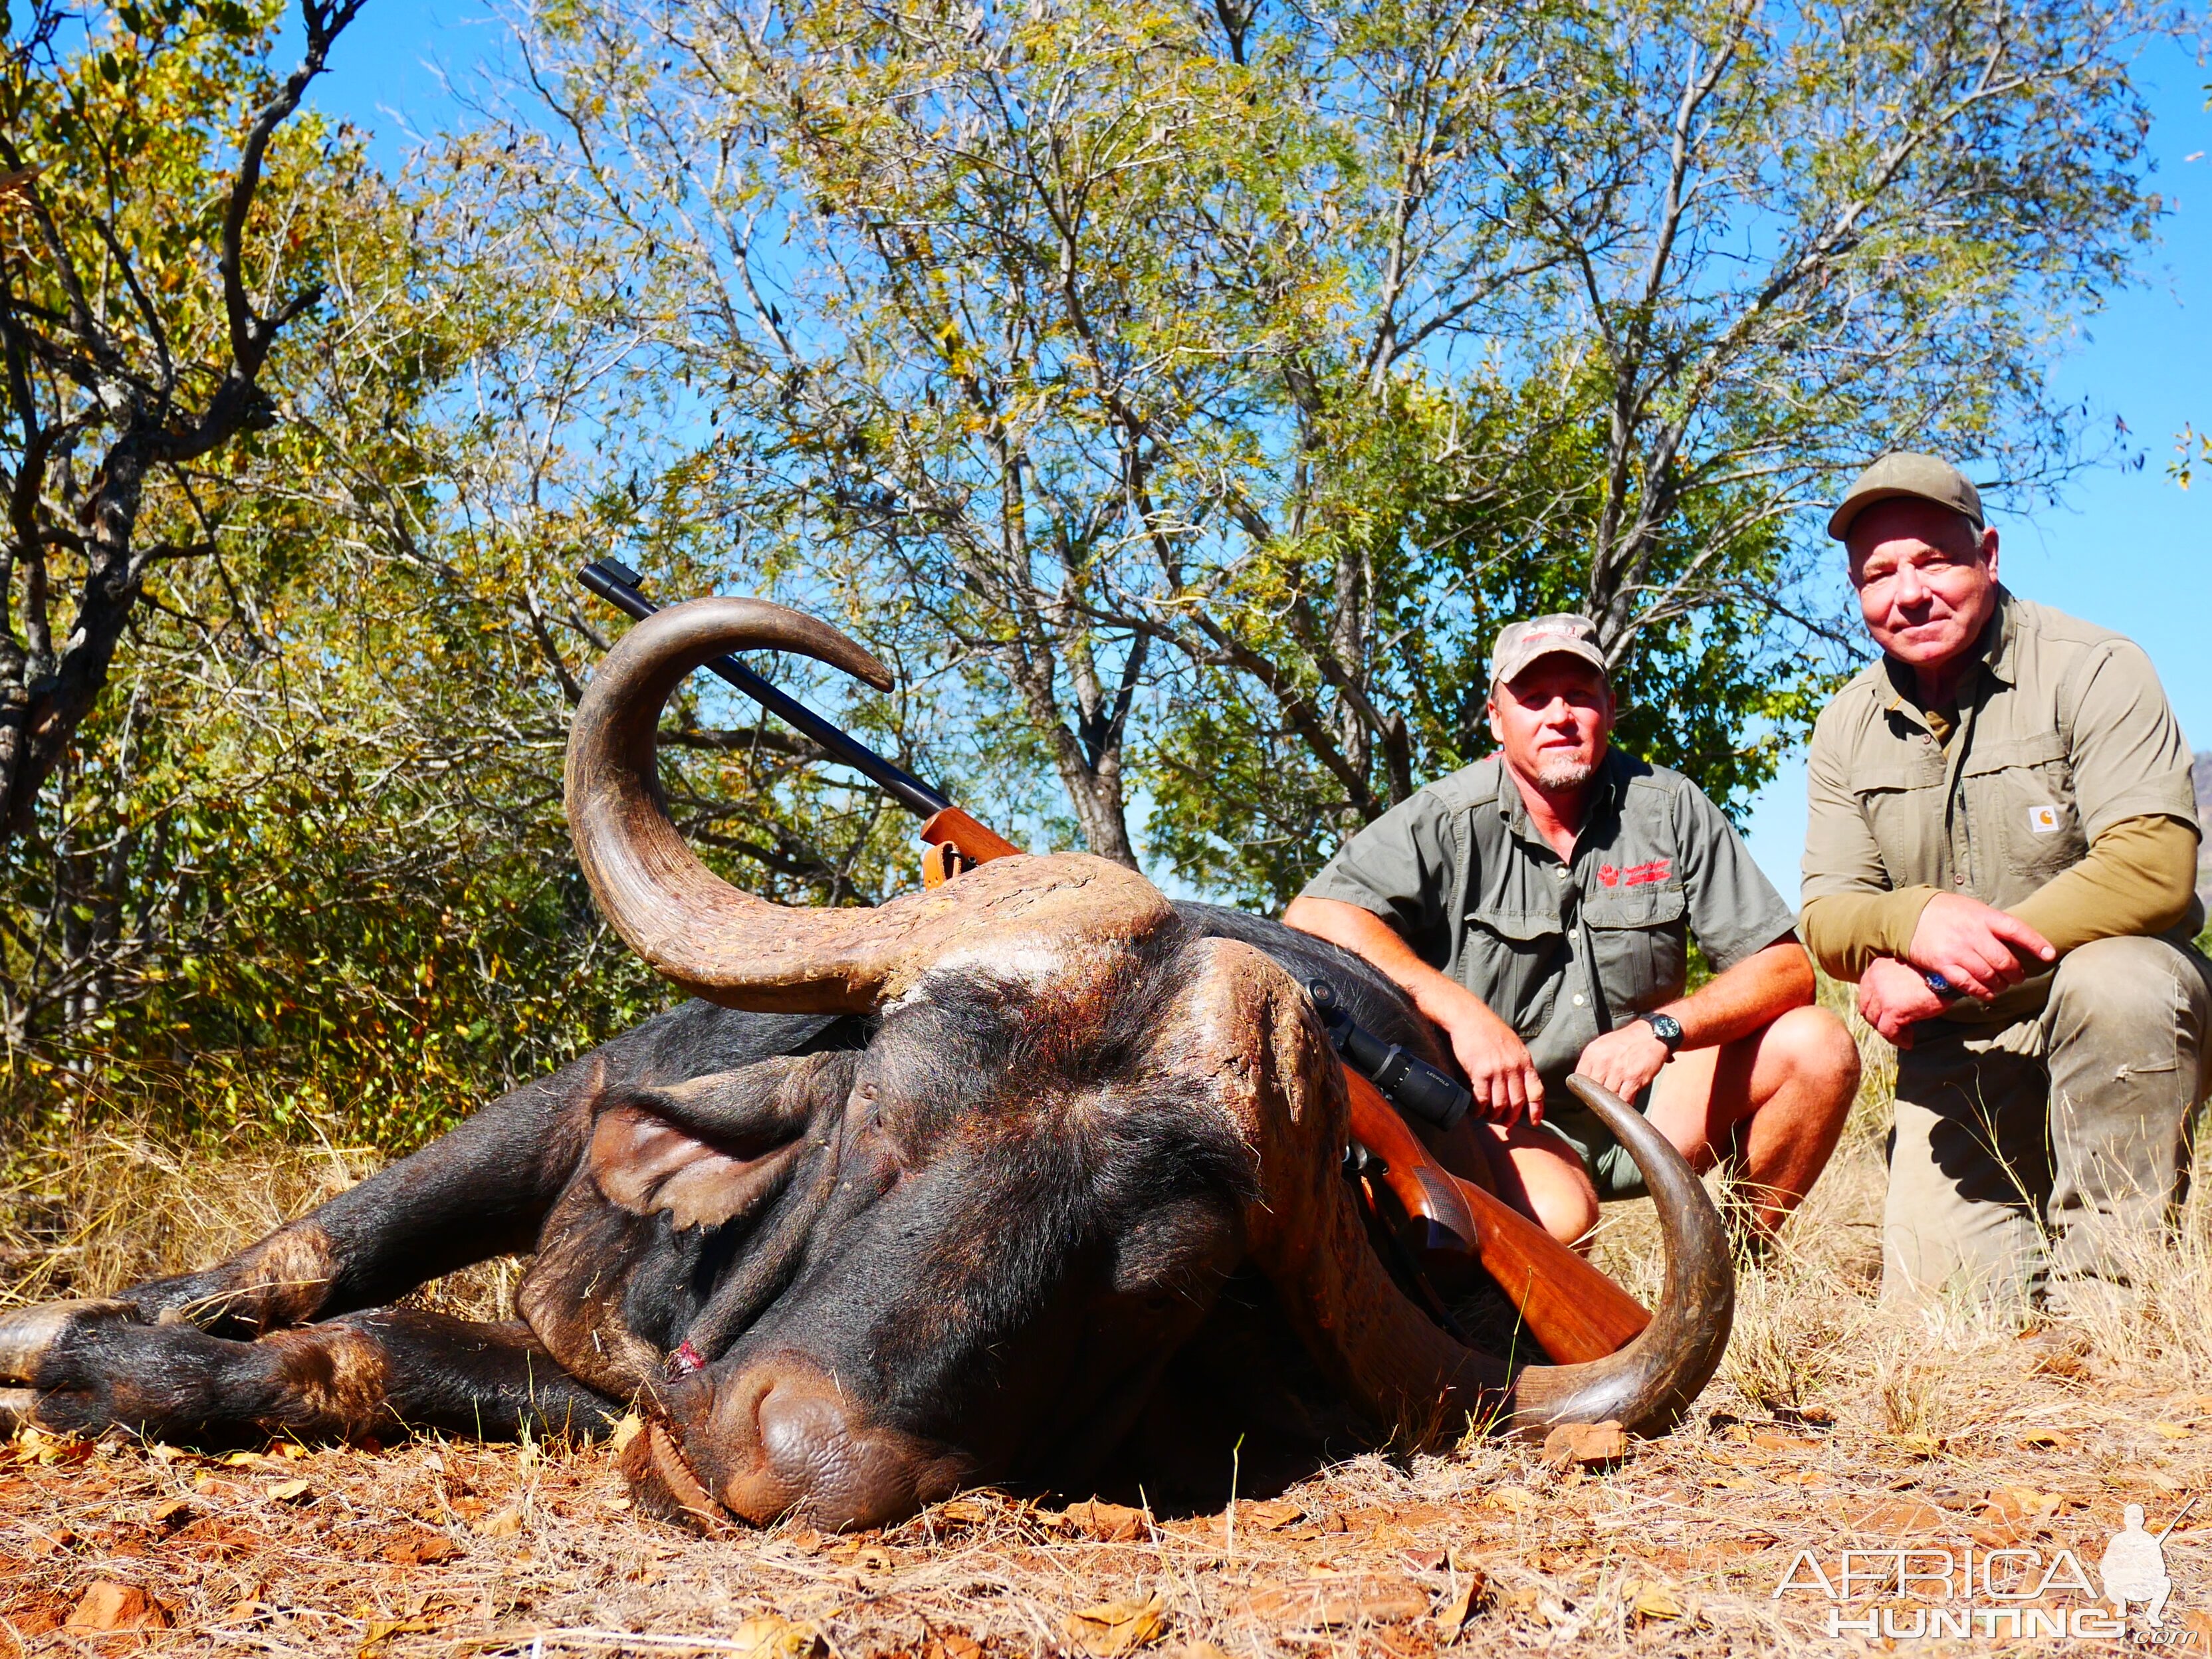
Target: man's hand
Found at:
x=1624, y=1061
x=1978, y=948
x=1502, y=1076
x=1893, y=998
x=1499, y=1072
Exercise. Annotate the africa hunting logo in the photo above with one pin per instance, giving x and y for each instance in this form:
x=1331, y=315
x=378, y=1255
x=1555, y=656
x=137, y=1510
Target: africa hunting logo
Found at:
x=1919, y=1593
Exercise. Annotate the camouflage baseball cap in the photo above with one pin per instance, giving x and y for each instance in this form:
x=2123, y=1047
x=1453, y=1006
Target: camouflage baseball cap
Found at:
x=1901, y=472
x=1520, y=643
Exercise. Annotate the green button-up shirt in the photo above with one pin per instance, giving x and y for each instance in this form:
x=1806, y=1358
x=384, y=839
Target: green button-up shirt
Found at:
x=1562, y=950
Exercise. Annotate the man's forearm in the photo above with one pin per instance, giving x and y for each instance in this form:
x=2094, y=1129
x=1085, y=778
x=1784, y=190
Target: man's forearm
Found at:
x=2139, y=879
x=1755, y=992
x=1846, y=931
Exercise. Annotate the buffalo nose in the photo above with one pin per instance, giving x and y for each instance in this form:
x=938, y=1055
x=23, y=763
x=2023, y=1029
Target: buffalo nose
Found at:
x=793, y=1439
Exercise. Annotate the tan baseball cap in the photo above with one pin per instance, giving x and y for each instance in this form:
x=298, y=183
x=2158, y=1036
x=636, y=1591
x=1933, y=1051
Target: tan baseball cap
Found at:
x=1902, y=472
x=1520, y=643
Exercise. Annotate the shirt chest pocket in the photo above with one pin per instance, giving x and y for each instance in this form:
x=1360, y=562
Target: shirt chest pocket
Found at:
x=1904, y=811
x=1512, y=959
x=1641, y=938
x=2024, y=790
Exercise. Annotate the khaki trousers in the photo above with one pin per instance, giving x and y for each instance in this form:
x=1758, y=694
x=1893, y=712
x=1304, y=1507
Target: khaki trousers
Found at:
x=2033, y=1163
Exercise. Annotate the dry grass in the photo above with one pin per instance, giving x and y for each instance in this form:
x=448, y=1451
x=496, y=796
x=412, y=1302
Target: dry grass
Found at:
x=1833, y=1424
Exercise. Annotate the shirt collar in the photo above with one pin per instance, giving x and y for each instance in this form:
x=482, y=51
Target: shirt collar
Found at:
x=1606, y=791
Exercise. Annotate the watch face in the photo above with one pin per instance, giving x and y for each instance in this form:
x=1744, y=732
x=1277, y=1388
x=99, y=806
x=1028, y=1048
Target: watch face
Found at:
x=1666, y=1028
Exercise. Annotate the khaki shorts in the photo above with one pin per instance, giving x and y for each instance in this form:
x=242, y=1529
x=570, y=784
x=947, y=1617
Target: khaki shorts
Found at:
x=1610, y=1170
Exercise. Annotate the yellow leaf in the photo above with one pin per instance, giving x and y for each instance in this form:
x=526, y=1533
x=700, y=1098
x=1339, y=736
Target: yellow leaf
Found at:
x=1654, y=1601
x=289, y=1491
x=767, y=1636
x=1113, y=1628
x=505, y=1524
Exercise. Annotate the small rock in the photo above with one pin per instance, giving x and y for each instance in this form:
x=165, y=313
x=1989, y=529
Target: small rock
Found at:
x=110, y=1605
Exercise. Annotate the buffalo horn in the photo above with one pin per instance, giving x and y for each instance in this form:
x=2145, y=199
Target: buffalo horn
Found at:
x=1649, y=1384
x=731, y=947
x=1402, y=1369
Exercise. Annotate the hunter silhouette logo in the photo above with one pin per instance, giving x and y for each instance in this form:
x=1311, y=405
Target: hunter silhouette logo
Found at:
x=2133, y=1565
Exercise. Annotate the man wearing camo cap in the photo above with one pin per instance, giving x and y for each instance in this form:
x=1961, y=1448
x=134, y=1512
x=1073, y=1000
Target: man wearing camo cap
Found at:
x=2000, y=848
x=1538, y=906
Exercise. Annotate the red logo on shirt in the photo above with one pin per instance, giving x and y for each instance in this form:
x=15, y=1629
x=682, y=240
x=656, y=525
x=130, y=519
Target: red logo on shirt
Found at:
x=1643, y=875
x=1608, y=875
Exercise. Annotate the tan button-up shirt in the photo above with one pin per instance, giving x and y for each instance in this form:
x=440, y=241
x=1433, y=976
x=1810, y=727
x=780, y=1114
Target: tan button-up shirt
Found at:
x=2064, y=731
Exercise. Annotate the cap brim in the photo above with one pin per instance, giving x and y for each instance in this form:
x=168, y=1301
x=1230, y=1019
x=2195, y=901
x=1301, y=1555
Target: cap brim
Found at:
x=1579, y=650
x=1839, y=522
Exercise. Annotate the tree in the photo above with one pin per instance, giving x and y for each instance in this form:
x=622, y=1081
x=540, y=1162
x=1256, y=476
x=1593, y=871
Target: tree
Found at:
x=1177, y=365
x=132, y=366
x=303, y=860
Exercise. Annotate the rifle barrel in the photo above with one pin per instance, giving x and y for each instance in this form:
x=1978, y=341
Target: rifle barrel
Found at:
x=618, y=584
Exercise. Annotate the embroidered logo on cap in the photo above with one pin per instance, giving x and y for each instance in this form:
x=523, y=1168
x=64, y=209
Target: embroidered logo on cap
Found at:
x=2043, y=820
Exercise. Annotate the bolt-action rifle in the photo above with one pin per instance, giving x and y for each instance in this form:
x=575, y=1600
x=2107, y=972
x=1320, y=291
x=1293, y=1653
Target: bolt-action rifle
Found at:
x=1574, y=1310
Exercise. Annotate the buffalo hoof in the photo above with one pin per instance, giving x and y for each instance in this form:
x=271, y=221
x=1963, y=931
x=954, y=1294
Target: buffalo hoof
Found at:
x=86, y=1366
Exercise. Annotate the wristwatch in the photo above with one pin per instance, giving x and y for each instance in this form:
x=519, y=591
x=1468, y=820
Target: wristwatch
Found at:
x=1666, y=1028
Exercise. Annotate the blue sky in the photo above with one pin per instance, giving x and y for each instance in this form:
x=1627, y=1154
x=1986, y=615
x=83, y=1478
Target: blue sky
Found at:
x=2124, y=549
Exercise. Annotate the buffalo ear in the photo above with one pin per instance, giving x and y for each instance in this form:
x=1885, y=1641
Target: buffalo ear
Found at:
x=712, y=1148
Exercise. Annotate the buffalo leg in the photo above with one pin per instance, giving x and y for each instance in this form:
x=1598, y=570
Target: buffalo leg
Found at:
x=95, y=1366
x=479, y=1191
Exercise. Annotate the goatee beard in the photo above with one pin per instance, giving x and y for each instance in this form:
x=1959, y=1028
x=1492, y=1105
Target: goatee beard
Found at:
x=1564, y=774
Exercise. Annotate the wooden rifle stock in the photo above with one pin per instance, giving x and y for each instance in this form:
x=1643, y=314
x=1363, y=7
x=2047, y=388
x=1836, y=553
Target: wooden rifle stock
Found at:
x=975, y=842
x=1573, y=1309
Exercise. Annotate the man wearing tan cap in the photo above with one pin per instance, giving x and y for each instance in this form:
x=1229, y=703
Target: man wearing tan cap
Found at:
x=1538, y=905
x=2002, y=851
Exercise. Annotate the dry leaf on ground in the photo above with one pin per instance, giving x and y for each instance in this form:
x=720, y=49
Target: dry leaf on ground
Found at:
x=1113, y=1628
x=1268, y=1513
x=383, y=1629
x=770, y=1636
x=1380, y=1598
x=1653, y=1600
x=1897, y=1518
x=1462, y=1604
x=1587, y=1444
x=422, y=1549
x=1110, y=1524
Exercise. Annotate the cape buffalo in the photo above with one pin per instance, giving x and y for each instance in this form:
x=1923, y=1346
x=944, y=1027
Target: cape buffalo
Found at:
x=1032, y=1176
